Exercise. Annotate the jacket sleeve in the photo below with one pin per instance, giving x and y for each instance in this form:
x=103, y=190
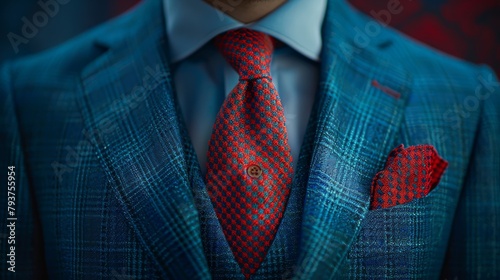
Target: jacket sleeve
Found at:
x=474, y=245
x=20, y=234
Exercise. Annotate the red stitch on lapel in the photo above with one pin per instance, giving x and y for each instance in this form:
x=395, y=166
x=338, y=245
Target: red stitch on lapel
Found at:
x=387, y=90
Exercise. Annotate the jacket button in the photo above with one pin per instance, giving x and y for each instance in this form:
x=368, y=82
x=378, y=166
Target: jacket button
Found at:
x=254, y=171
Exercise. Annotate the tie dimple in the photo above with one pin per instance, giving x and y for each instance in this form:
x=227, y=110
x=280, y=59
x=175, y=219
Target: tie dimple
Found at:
x=249, y=172
x=249, y=52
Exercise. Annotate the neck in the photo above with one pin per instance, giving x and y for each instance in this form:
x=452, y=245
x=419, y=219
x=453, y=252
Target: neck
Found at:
x=246, y=11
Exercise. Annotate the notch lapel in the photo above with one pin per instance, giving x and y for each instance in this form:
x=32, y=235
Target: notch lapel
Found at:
x=129, y=110
x=360, y=107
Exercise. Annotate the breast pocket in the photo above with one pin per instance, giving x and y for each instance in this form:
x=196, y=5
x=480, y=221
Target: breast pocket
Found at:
x=405, y=240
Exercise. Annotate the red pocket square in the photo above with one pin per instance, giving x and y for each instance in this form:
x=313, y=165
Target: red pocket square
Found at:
x=409, y=174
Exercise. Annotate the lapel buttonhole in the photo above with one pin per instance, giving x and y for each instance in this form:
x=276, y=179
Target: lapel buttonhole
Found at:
x=387, y=90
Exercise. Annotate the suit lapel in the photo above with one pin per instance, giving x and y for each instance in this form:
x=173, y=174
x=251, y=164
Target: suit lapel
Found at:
x=129, y=111
x=359, y=109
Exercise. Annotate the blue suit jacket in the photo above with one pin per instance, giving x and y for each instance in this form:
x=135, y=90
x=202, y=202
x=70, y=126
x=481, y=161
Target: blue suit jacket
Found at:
x=103, y=186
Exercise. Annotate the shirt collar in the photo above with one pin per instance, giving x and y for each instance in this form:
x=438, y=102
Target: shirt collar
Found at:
x=192, y=23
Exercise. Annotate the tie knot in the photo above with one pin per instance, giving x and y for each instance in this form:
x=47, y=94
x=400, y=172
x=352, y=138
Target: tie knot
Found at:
x=249, y=52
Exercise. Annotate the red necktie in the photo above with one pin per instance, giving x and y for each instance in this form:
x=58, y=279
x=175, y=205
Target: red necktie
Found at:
x=249, y=170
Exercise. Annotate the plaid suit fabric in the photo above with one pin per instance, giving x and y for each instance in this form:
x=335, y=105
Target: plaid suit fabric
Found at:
x=101, y=106
x=83, y=208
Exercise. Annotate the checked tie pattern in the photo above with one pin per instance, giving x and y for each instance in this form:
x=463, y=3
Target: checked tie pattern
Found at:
x=249, y=171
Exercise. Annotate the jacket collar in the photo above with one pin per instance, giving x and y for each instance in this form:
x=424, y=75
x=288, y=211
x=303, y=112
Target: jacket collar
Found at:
x=129, y=109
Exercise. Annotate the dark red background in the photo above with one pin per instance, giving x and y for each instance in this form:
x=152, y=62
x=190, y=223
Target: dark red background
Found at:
x=463, y=28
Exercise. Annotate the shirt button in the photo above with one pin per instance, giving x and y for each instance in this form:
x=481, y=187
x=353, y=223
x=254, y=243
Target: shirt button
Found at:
x=254, y=171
